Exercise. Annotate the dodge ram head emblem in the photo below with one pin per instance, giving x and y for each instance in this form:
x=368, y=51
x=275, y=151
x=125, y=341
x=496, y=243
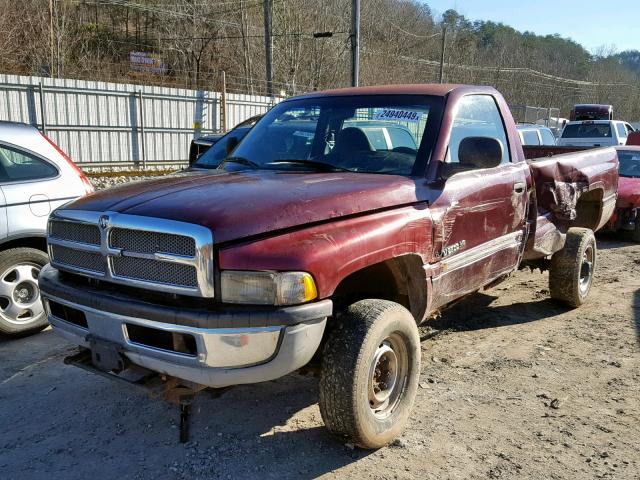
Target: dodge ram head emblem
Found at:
x=104, y=221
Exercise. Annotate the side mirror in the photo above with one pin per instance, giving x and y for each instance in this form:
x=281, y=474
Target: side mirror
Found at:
x=481, y=152
x=232, y=142
x=475, y=153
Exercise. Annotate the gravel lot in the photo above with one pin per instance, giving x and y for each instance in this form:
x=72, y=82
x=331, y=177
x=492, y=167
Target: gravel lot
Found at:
x=512, y=386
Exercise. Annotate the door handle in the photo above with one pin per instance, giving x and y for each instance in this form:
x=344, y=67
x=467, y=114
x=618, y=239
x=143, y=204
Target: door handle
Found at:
x=518, y=187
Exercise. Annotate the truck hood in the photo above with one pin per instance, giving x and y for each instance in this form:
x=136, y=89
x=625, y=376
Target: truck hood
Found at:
x=241, y=204
x=628, y=192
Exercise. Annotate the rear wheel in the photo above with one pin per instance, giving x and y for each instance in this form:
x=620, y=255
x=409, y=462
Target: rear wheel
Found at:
x=20, y=303
x=572, y=268
x=370, y=371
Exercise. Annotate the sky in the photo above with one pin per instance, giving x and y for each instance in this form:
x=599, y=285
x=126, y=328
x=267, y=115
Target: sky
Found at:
x=592, y=23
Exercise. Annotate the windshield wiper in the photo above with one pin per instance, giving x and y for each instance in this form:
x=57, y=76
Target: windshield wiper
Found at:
x=311, y=163
x=241, y=161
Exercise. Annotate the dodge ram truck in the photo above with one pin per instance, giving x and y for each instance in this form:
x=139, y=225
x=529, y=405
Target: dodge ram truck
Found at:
x=312, y=245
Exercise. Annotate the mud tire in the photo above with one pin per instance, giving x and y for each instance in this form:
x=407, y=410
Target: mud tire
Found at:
x=350, y=359
x=572, y=268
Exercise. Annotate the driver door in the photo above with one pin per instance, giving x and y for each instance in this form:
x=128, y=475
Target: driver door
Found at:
x=480, y=216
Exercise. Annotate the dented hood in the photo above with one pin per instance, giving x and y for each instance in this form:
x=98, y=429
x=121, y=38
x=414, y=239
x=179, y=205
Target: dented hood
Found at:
x=628, y=192
x=242, y=204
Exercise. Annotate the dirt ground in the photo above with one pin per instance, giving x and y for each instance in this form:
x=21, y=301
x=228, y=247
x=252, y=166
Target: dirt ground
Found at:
x=512, y=386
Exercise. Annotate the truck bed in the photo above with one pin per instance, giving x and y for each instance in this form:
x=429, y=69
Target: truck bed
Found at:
x=574, y=187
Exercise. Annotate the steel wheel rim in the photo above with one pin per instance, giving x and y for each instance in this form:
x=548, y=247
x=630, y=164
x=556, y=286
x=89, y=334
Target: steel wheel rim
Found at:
x=586, y=269
x=387, y=375
x=20, y=301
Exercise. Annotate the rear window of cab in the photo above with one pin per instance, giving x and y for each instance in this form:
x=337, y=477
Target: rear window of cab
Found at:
x=587, y=130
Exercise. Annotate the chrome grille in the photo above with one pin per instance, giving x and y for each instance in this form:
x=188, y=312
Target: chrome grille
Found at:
x=75, y=232
x=141, y=241
x=77, y=258
x=155, y=271
x=162, y=255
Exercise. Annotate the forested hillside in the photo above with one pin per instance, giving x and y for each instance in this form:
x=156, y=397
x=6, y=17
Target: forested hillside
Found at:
x=192, y=41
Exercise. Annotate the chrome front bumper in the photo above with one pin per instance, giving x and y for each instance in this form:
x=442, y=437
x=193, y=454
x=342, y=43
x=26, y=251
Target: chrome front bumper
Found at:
x=223, y=356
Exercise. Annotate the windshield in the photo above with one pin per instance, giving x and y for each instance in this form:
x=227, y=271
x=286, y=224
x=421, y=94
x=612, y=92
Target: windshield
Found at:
x=629, y=163
x=218, y=151
x=587, y=130
x=363, y=133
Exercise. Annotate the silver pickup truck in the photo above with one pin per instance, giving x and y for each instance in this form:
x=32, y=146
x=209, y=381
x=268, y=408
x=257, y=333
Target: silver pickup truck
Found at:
x=36, y=177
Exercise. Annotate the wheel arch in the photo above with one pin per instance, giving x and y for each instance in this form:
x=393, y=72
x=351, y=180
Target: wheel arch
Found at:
x=589, y=209
x=400, y=279
x=28, y=240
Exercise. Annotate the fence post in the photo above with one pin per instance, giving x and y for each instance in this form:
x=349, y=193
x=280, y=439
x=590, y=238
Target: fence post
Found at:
x=141, y=122
x=223, y=103
x=43, y=109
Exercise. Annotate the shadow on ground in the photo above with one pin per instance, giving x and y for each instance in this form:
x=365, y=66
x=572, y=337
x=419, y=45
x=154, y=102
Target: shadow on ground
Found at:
x=613, y=240
x=476, y=313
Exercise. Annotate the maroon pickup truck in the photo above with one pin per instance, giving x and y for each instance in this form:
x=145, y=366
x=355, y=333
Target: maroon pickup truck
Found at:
x=340, y=223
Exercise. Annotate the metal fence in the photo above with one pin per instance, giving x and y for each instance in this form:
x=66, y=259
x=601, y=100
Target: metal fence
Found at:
x=103, y=124
x=549, y=117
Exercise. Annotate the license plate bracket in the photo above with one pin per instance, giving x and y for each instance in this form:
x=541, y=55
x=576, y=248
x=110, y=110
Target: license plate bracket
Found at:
x=107, y=356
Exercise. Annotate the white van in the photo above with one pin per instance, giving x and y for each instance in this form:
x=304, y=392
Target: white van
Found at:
x=595, y=133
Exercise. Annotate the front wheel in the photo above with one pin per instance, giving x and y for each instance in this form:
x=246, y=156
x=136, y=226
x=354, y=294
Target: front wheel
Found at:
x=573, y=267
x=370, y=371
x=20, y=303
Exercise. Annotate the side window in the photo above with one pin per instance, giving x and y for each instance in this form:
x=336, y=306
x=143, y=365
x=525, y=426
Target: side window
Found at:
x=477, y=116
x=16, y=166
x=629, y=128
x=530, y=137
x=622, y=132
x=547, y=137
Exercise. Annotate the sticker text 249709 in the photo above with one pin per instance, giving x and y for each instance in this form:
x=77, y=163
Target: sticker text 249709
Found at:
x=403, y=115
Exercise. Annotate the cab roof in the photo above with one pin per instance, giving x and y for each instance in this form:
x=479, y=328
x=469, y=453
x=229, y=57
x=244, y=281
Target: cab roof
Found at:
x=432, y=89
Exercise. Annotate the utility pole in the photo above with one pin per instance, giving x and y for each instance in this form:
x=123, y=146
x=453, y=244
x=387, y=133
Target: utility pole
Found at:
x=444, y=39
x=268, y=46
x=355, y=42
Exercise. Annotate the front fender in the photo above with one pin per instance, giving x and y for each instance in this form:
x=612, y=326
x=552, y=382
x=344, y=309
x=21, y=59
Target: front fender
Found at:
x=332, y=251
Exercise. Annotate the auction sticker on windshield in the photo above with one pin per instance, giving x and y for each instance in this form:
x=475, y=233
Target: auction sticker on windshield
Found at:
x=403, y=115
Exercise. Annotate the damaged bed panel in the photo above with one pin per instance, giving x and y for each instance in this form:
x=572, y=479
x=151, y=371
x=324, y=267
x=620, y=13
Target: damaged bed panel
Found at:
x=567, y=184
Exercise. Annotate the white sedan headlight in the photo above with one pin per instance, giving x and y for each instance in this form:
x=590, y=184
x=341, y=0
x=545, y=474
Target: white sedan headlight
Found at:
x=267, y=288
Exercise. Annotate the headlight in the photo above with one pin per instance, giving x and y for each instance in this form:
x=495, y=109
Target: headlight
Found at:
x=267, y=288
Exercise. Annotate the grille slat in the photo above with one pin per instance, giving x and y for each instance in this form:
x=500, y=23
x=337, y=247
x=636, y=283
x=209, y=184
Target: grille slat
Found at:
x=155, y=271
x=141, y=241
x=77, y=258
x=75, y=232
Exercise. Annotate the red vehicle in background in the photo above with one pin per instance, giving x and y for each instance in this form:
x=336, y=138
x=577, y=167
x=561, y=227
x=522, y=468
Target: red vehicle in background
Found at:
x=633, y=139
x=588, y=111
x=626, y=217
